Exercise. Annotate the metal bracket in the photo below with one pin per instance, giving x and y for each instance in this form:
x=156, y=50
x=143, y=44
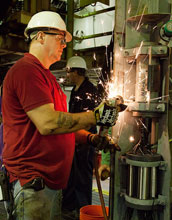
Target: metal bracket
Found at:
x=163, y=165
x=161, y=200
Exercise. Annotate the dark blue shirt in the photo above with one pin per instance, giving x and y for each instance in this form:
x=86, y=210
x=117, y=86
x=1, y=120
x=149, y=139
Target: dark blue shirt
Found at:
x=79, y=189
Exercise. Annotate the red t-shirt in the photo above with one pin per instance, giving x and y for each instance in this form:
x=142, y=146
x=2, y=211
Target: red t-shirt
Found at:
x=28, y=154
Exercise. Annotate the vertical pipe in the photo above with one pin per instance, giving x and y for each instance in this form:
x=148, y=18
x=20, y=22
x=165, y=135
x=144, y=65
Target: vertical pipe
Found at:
x=39, y=5
x=140, y=182
x=27, y=5
x=70, y=24
x=45, y=5
x=33, y=7
x=168, y=74
x=153, y=131
x=145, y=190
x=153, y=182
x=130, y=193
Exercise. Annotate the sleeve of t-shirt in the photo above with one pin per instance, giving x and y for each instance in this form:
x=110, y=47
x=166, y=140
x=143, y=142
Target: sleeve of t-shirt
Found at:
x=32, y=88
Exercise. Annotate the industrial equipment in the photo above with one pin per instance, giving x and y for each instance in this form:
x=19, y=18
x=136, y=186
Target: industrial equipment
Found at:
x=141, y=74
x=142, y=63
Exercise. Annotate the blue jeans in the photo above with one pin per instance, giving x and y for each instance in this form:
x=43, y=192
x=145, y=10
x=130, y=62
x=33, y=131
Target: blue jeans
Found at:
x=36, y=205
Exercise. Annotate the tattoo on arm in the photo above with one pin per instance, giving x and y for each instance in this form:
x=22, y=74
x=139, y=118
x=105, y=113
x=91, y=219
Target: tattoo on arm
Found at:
x=65, y=121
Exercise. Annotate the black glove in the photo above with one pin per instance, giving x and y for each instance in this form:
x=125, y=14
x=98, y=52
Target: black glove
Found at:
x=102, y=143
x=106, y=113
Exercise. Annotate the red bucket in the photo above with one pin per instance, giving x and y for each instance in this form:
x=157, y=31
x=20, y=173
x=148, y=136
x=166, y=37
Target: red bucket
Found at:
x=92, y=212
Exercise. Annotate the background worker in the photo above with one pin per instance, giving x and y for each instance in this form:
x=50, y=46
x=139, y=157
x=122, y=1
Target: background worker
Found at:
x=84, y=97
x=38, y=132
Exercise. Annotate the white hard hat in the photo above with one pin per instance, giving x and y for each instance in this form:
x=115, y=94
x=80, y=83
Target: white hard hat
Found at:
x=76, y=62
x=49, y=20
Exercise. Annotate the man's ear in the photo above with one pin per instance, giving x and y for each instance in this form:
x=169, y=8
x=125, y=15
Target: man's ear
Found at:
x=40, y=36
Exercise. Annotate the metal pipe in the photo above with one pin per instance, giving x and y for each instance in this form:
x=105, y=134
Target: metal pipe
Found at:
x=140, y=182
x=33, y=6
x=93, y=36
x=27, y=5
x=153, y=131
x=130, y=193
x=153, y=182
x=70, y=24
x=95, y=12
x=145, y=183
x=168, y=73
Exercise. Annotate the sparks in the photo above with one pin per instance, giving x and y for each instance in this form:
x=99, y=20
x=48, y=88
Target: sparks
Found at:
x=131, y=139
x=112, y=90
x=139, y=50
x=139, y=24
x=61, y=80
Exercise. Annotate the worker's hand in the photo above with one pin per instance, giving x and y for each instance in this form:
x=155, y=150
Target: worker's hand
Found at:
x=104, y=171
x=104, y=143
x=106, y=113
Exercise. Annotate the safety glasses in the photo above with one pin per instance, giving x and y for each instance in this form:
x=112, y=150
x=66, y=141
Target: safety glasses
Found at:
x=62, y=40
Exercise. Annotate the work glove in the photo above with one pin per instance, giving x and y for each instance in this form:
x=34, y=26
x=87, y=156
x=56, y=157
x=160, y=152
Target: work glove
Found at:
x=106, y=113
x=104, y=143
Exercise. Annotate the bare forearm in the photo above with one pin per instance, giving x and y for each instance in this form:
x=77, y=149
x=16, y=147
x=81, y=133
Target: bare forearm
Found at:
x=71, y=122
x=48, y=121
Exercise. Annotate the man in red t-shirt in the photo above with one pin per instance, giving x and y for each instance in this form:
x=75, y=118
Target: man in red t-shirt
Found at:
x=39, y=134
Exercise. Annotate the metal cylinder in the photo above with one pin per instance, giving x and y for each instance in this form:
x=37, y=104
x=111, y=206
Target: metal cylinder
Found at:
x=145, y=183
x=140, y=182
x=130, y=191
x=153, y=190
